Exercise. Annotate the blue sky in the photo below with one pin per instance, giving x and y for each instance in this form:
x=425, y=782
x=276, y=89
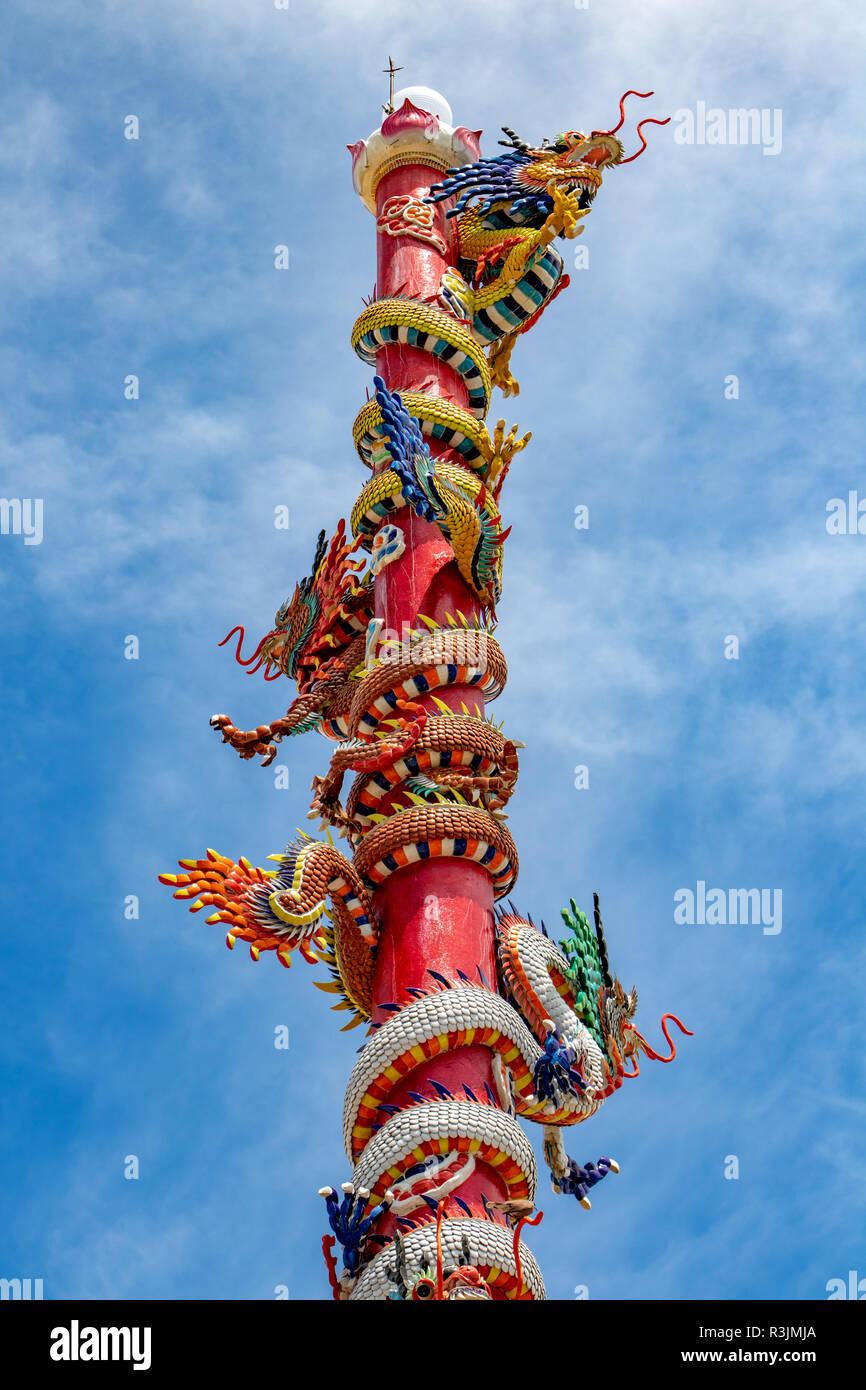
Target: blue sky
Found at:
x=707, y=518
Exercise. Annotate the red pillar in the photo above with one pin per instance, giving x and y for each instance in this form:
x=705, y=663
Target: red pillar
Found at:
x=438, y=914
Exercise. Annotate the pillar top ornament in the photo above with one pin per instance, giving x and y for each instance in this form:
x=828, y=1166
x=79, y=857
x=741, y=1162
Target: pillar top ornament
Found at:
x=418, y=130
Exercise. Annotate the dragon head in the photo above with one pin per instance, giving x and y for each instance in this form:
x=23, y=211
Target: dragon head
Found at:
x=295, y=619
x=578, y=160
x=324, y=613
x=600, y=999
x=530, y=178
x=618, y=1010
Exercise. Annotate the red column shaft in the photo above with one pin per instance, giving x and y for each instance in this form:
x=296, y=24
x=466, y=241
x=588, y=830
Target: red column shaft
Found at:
x=439, y=914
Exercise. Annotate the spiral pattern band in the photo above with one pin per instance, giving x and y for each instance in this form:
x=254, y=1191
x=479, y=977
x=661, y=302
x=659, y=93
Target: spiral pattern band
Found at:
x=406, y=323
x=439, y=419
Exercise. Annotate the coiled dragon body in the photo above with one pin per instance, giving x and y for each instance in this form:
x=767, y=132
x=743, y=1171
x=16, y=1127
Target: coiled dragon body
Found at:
x=431, y=781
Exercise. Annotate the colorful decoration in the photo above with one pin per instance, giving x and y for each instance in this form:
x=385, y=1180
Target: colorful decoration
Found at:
x=453, y=499
x=406, y=215
x=389, y=544
x=509, y=211
x=476, y=1020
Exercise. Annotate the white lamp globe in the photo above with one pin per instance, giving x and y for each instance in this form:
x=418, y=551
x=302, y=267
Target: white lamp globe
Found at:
x=426, y=100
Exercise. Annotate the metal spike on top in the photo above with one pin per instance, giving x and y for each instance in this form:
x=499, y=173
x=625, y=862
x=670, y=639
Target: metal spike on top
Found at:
x=390, y=70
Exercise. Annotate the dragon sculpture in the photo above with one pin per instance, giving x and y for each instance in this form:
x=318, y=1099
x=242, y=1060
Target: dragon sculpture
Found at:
x=430, y=781
x=509, y=211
